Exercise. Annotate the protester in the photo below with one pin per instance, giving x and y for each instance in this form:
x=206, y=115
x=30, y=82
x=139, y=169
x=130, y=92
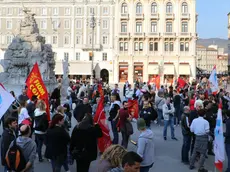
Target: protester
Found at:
x=84, y=139
x=57, y=140
x=129, y=92
x=145, y=146
x=23, y=113
x=168, y=114
x=186, y=135
x=201, y=129
x=147, y=113
x=8, y=136
x=40, y=125
x=56, y=97
x=111, y=158
x=159, y=102
x=177, y=100
x=28, y=147
x=23, y=97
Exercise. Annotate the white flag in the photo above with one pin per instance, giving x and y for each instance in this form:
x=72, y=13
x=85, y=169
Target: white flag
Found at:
x=213, y=81
x=6, y=99
x=219, y=142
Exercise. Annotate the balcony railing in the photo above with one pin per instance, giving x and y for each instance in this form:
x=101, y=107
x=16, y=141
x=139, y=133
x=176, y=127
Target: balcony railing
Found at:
x=155, y=34
x=127, y=34
x=170, y=16
x=139, y=34
x=186, y=34
x=185, y=16
x=89, y=46
x=154, y=16
x=169, y=34
x=139, y=16
x=125, y=16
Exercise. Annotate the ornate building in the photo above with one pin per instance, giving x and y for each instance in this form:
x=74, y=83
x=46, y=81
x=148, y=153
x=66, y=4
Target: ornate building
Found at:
x=154, y=35
x=229, y=43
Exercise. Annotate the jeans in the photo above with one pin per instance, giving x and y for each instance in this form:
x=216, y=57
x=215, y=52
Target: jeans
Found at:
x=125, y=139
x=115, y=132
x=166, y=124
x=185, y=148
x=145, y=169
x=39, y=139
x=227, y=148
x=177, y=116
x=160, y=116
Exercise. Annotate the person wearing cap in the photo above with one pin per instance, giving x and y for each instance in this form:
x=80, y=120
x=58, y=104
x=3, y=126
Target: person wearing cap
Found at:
x=145, y=146
x=186, y=135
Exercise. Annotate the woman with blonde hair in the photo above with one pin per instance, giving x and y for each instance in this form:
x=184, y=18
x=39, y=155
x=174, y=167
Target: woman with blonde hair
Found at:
x=111, y=158
x=41, y=125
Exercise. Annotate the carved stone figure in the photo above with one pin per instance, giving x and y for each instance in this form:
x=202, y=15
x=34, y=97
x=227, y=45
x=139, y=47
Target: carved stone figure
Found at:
x=27, y=48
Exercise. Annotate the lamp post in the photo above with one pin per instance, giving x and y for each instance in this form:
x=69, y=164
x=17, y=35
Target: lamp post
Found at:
x=92, y=25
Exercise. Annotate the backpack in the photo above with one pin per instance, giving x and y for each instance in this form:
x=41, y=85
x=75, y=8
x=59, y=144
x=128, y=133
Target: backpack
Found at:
x=15, y=159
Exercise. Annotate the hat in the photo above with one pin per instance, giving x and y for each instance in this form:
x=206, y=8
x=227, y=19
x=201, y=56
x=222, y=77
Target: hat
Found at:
x=141, y=125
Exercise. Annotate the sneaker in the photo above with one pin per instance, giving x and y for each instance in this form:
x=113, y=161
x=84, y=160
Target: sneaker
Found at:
x=165, y=138
x=174, y=138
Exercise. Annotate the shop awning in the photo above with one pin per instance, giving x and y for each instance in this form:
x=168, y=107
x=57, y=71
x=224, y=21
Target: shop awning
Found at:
x=153, y=69
x=169, y=69
x=184, y=69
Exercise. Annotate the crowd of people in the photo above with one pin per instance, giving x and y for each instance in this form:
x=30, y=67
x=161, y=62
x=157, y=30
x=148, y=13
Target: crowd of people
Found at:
x=27, y=127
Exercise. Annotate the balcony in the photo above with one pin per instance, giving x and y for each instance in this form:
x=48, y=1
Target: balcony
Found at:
x=169, y=34
x=154, y=16
x=124, y=34
x=185, y=34
x=170, y=16
x=125, y=16
x=154, y=34
x=140, y=16
x=89, y=47
x=185, y=16
x=139, y=34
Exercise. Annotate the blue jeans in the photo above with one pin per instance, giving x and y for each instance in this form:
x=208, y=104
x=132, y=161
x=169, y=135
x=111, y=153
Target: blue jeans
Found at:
x=115, y=132
x=160, y=116
x=227, y=148
x=39, y=138
x=145, y=169
x=166, y=124
x=185, y=148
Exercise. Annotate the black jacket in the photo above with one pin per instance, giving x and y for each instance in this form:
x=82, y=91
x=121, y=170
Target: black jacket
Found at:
x=148, y=114
x=41, y=122
x=184, y=127
x=7, y=137
x=80, y=111
x=31, y=108
x=227, y=133
x=57, y=140
x=86, y=139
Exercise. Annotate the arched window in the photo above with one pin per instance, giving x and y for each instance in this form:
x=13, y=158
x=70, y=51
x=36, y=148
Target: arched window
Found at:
x=154, y=8
x=184, y=7
x=139, y=8
x=124, y=8
x=169, y=7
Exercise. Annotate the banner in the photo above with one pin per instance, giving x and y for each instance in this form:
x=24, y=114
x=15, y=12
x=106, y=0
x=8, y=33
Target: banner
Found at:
x=157, y=82
x=6, y=99
x=181, y=83
x=100, y=118
x=213, y=81
x=36, y=87
x=219, y=148
x=133, y=108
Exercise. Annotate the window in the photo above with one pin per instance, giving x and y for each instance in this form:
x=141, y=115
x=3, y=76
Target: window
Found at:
x=78, y=11
x=55, y=24
x=153, y=46
x=66, y=39
x=104, y=56
x=141, y=46
x=67, y=24
x=78, y=39
x=105, y=10
x=8, y=24
x=67, y=11
x=126, y=46
x=54, y=40
x=78, y=56
x=139, y=8
x=184, y=28
x=55, y=11
x=121, y=45
x=124, y=8
x=43, y=24
x=184, y=8
x=20, y=12
x=166, y=46
x=138, y=27
x=105, y=24
x=91, y=10
x=124, y=27
x=136, y=47
x=186, y=46
x=153, y=27
x=66, y=55
x=154, y=8
x=9, y=11
x=171, y=46
x=181, y=46
x=43, y=11
x=78, y=24
x=169, y=27
x=104, y=40
x=169, y=7
x=9, y=39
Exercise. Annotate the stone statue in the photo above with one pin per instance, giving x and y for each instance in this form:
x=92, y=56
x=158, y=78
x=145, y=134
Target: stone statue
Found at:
x=65, y=80
x=27, y=48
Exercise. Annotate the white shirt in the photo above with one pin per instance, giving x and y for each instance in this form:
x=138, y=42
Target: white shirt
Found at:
x=23, y=115
x=69, y=91
x=200, y=126
x=138, y=93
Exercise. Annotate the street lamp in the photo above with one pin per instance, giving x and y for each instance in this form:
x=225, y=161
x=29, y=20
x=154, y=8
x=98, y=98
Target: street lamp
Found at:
x=92, y=25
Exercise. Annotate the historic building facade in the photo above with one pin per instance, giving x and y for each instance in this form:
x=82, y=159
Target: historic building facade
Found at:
x=155, y=37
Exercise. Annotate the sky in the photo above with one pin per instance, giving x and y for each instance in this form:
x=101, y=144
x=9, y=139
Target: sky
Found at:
x=212, y=19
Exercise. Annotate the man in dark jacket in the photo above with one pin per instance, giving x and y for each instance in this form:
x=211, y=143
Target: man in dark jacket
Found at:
x=81, y=109
x=7, y=137
x=186, y=135
x=23, y=96
x=56, y=97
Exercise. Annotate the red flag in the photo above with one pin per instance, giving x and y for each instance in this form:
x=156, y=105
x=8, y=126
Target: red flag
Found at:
x=158, y=79
x=36, y=87
x=133, y=108
x=99, y=118
x=181, y=83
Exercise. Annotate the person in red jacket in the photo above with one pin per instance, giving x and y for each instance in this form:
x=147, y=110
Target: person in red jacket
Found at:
x=192, y=102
